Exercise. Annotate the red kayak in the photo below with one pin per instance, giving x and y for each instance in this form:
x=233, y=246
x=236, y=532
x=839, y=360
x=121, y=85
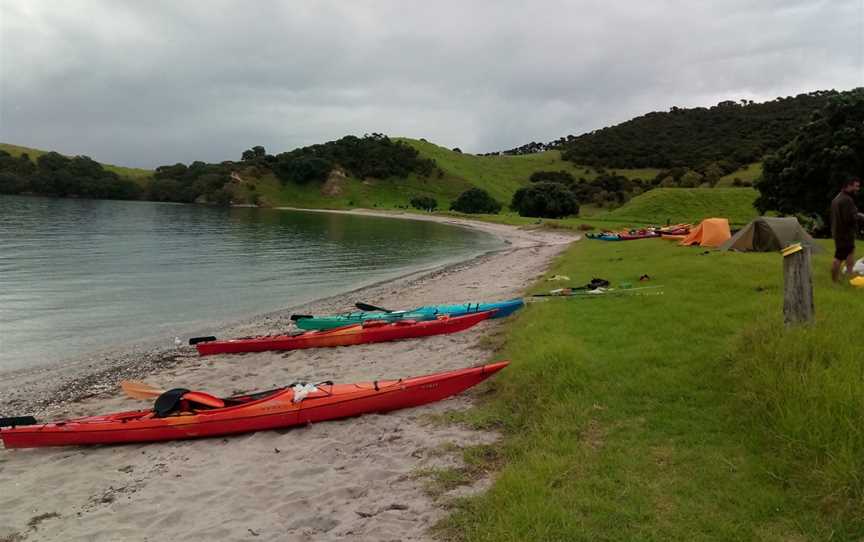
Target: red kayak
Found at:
x=181, y=414
x=372, y=331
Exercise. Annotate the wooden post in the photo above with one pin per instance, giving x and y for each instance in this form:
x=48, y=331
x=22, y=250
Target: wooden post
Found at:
x=797, y=286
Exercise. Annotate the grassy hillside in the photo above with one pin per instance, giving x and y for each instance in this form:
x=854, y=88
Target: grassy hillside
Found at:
x=384, y=194
x=501, y=176
x=17, y=150
x=686, y=205
x=750, y=173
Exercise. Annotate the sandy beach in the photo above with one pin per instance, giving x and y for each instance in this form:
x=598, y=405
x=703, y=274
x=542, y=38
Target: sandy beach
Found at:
x=353, y=479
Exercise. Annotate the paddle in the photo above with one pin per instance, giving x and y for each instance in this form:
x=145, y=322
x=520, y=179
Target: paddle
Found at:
x=140, y=390
x=611, y=292
x=195, y=340
x=368, y=307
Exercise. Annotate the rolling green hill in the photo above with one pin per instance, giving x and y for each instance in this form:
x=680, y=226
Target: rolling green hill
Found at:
x=499, y=175
x=502, y=175
x=687, y=205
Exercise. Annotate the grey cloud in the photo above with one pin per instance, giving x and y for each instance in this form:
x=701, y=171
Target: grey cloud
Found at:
x=148, y=83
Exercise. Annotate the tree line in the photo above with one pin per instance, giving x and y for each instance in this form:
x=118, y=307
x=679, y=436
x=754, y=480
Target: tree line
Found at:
x=730, y=132
x=371, y=156
x=53, y=174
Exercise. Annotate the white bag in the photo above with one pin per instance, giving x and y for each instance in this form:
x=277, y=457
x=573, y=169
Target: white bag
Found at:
x=302, y=390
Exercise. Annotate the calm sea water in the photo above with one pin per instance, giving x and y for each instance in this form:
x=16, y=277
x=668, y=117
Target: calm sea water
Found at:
x=80, y=275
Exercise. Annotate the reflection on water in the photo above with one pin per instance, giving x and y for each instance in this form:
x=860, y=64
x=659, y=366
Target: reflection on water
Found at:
x=76, y=275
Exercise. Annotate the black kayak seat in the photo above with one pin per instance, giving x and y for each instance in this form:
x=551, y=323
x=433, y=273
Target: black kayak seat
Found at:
x=169, y=402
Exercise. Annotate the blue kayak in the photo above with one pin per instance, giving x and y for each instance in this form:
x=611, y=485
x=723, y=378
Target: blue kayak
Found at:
x=430, y=312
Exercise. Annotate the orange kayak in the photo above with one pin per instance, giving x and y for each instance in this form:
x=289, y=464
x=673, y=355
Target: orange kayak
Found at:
x=368, y=332
x=186, y=416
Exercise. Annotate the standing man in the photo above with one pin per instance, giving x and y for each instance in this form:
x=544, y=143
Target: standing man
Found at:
x=844, y=226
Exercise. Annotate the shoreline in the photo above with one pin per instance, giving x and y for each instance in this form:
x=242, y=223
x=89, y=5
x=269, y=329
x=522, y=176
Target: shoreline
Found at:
x=86, y=375
x=354, y=478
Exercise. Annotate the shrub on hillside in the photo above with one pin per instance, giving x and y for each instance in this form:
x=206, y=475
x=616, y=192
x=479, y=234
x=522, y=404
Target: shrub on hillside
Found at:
x=608, y=190
x=476, y=201
x=425, y=203
x=562, y=177
x=545, y=200
x=374, y=155
x=304, y=169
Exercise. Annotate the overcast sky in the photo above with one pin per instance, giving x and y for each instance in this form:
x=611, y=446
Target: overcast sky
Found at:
x=156, y=82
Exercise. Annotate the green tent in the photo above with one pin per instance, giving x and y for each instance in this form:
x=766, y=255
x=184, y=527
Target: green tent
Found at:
x=770, y=234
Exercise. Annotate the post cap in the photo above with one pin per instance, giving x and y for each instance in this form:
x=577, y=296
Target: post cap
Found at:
x=792, y=249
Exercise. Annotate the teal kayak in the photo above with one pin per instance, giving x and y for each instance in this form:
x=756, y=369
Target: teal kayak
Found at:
x=430, y=312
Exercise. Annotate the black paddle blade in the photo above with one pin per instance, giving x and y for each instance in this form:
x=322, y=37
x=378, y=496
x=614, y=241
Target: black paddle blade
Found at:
x=17, y=420
x=195, y=340
x=368, y=307
x=295, y=317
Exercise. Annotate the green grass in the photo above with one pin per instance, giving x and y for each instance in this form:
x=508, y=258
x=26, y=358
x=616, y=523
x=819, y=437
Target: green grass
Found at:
x=806, y=387
x=641, y=418
x=136, y=173
x=750, y=173
x=653, y=207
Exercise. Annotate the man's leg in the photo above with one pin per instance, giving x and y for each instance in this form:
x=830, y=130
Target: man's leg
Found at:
x=850, y=262
x=835, y=269
x=842, y=254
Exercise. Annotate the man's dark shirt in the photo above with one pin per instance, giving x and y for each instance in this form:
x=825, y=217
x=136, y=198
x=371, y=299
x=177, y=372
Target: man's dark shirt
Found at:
x=844, y=219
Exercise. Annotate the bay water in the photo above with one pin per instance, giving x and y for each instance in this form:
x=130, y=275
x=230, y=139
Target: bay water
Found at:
x=79, y=275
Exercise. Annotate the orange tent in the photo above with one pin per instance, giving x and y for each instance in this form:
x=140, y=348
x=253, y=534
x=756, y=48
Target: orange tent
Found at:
x=711, y=232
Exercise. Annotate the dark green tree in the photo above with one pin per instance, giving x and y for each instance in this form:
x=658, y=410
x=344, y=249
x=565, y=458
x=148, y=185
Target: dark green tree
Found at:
x=52, y=161
x=12, y=183
x=425, y=203
x=476, y=201
x=731, y=131
x=546, y=200
x=805, y=174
